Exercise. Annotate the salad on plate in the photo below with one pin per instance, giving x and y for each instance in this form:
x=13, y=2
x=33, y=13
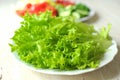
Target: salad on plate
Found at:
x=60, y=45
x=58, y=8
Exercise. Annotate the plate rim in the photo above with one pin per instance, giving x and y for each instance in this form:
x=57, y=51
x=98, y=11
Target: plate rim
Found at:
x=91, y=14
x=113, y=48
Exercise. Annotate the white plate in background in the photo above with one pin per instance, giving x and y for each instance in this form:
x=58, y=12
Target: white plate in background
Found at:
x=91, y=14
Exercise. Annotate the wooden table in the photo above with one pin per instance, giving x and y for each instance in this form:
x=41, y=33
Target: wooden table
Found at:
x=107, y=11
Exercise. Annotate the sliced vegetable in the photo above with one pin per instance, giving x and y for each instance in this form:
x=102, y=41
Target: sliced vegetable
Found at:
x=37, y=9
x=58, y=8
x=77, y=10
x=65, y=2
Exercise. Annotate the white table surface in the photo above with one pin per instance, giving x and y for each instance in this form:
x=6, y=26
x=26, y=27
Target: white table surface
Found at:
x=107, y=11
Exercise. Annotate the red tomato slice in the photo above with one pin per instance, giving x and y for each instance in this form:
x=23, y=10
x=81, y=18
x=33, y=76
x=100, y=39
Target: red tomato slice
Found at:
x=28, y=6
x=65, y=2
x=37, y=8
x=21, y=12
x=54, y=11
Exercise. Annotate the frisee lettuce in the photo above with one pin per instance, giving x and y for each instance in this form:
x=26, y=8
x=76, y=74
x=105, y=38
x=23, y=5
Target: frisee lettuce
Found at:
x=59, y=42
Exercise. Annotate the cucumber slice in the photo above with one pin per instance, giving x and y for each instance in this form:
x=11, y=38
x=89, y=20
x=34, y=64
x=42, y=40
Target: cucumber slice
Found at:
x=65, y=13
x=76, y=15
x=70, y=7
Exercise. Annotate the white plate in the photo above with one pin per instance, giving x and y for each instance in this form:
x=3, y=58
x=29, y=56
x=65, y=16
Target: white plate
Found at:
x=108, y=57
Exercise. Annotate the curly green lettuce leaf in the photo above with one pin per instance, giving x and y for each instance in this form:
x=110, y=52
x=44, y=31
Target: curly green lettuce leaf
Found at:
x=59, y=43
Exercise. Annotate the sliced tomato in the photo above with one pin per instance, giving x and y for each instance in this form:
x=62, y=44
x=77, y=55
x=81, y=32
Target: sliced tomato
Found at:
x=41, y=7
x=37, y=8
x=21, y=12
x=51, y=8
x=65, y=2
x=28, y=6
